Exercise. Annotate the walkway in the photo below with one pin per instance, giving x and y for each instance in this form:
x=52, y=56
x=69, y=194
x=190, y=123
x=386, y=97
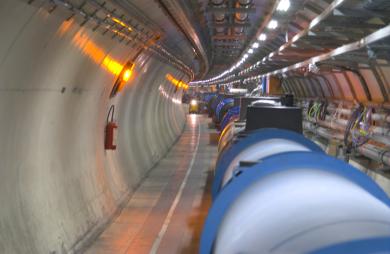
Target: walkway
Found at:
x=166, y=213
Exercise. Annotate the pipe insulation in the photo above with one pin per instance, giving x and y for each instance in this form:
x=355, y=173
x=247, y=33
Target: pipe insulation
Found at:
x=375, y=116
x=375, y=153
x=368, y=150
x=377, y=133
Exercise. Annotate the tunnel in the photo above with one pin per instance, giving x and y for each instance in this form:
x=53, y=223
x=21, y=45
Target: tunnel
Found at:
x=194, y=126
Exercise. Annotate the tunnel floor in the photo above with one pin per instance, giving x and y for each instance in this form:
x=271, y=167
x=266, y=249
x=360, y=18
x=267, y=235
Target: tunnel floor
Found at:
x=167, y=211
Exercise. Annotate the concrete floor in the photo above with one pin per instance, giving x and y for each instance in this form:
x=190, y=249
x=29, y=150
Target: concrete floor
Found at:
x=166, y=213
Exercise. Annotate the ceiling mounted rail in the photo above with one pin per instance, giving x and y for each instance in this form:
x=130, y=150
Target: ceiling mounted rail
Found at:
x=323, y=34
x=127, y=30
x=373, y=40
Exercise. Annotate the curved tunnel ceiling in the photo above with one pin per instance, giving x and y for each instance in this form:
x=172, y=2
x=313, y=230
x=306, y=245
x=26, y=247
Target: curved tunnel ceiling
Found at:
x=231, y=25
x=164, y=14
x=311, y=42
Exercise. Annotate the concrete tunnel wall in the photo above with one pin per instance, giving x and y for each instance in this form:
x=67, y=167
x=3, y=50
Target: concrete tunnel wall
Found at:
x=58, y=186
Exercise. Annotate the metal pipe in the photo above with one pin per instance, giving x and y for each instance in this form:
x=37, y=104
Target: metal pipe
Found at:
x=375, y=153
x=385, y=105
x=368, y=150
x=347, y=112
x=377, y=133
x=180, y=16
x=322, y=131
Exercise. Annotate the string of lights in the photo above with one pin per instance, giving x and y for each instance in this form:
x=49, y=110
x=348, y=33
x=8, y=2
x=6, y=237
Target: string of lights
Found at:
x=282, y=6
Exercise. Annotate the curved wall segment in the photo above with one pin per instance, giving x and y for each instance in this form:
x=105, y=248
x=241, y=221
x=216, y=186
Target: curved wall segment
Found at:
x=58, y=185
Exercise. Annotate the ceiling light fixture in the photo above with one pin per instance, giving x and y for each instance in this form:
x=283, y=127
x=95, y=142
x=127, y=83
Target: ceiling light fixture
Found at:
x=250, y=51
x=262, y=37
x=284, y=5
x=255, y=45
x=273, y=24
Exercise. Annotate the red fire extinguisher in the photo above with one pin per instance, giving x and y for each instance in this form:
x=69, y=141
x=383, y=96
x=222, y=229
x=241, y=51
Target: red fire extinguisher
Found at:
x=110, y=129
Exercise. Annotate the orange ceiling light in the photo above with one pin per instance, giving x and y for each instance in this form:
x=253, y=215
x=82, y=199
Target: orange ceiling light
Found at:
x=123, y=72
x=125, y=75
x=128, y=72
x=176, y=82
x=112, y=66
x=96, y=54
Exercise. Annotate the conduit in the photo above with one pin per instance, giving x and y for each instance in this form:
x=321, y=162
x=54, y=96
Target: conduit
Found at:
x=368, y=150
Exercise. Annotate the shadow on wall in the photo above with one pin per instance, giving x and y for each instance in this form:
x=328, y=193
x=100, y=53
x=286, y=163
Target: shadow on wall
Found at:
x=58, y=185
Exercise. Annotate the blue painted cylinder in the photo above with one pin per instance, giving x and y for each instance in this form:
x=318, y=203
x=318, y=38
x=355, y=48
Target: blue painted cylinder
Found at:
x=222, y=108
x=254, y=146
x=298, y=202
x=214, y=103
x=233, y=112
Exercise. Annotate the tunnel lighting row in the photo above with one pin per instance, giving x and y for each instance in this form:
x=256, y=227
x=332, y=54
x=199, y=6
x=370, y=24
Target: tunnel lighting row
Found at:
x=283, y=6
x=263, y=37
x=231, y=83
x=313, y=23
x=252, y=79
